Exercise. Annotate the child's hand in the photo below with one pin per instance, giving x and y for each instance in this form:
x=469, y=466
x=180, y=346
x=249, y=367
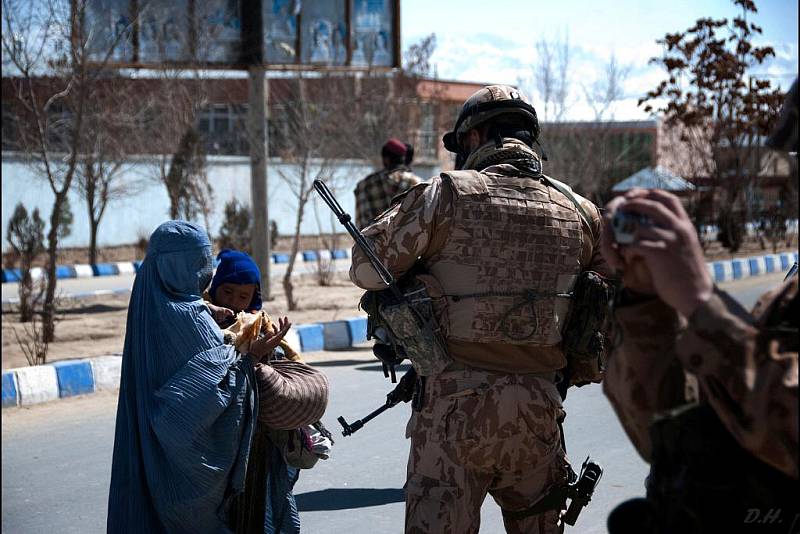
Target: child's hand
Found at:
x=266, y=344
x=221, y=315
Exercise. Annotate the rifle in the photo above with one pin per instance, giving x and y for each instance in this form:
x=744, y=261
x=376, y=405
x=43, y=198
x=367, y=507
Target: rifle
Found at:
x=388, y=361
x=408, y=389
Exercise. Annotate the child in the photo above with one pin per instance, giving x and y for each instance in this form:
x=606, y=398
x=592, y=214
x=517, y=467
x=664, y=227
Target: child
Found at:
x=234, y=299
x=235, y=288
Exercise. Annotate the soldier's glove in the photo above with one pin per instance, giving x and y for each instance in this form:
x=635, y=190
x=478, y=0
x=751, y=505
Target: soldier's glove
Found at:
x=388, y=357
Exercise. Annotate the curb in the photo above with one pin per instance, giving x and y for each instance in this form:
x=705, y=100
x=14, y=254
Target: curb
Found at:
x=130, y=267
x=66, y=378
x=739, y=268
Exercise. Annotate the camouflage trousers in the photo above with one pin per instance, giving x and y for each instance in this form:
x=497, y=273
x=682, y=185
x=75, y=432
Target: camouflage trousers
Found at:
x=483, y=432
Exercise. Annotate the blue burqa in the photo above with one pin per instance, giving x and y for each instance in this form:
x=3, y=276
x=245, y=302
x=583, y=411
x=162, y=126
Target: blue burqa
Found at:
x=187, y=404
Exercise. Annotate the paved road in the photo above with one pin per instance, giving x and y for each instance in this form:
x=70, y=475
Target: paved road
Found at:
x=72, y=286
x=56, y=457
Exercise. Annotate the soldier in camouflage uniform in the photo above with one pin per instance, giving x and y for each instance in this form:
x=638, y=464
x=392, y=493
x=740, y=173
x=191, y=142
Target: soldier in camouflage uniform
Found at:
x=374, y=193
x=706, y=391
x=501, y=247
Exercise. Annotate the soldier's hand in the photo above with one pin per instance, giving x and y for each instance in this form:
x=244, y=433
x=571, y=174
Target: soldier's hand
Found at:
x=629, y=265
x=670, y=249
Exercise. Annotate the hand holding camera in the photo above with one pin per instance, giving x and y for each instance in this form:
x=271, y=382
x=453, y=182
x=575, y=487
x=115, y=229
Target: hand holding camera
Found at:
x=650, y=239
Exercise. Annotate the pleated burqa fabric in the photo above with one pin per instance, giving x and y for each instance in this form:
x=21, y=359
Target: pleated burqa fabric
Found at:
x=187, y=405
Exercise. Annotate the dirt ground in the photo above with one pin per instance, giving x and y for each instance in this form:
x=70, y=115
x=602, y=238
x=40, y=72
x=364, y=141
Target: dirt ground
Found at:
x=95, y=327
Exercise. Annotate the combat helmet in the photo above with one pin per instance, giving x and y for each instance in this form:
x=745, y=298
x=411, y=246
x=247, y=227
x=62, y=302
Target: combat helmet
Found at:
x=486, y=104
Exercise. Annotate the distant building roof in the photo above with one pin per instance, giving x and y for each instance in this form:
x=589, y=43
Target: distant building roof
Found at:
x=654, y=178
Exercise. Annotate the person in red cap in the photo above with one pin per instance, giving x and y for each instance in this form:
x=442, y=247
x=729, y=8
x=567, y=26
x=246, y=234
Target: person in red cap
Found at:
x=374, y=193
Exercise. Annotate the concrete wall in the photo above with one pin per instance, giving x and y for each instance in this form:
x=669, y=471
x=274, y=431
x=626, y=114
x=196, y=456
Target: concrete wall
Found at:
x=140, y=213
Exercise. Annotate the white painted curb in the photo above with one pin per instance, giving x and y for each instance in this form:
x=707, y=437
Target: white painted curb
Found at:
x=84, y=271
x=125, y=267
x=106, y=371
x=37, y=384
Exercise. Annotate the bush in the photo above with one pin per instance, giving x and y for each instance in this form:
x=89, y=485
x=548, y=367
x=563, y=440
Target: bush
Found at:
x=236, y=227
x=26, y=236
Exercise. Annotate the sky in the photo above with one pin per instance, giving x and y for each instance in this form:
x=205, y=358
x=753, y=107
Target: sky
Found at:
x=495, y=41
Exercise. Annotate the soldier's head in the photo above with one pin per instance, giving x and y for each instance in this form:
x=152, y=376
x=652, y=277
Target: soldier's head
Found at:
x=393, y=153
x=492, y=113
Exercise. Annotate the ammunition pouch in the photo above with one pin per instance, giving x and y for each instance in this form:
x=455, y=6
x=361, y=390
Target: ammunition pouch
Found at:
x=584, y=339
x=408, y=324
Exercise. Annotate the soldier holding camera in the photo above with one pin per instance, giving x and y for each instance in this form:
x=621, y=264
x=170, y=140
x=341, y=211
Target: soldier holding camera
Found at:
x=500, y=252
x=706, y=391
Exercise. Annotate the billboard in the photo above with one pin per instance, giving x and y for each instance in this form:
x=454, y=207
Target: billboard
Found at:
x=234, y=34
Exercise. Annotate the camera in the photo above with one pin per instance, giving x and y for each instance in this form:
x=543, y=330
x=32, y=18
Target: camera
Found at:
x=624, y=225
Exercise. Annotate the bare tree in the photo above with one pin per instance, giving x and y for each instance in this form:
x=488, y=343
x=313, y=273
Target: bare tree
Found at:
x=308, y=146
x=52, y=37
x=417, y=59
x=551, y=77
x=103, y=174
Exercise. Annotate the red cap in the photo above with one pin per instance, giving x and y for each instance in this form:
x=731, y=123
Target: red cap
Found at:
x=395, y=146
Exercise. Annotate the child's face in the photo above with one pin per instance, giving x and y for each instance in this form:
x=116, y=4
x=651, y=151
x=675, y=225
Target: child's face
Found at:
x=237, y=297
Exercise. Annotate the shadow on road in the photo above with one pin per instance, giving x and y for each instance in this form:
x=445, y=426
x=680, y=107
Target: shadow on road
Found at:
x=347, y=498
x=337, y=363
x=402, y=368
x=94, y=308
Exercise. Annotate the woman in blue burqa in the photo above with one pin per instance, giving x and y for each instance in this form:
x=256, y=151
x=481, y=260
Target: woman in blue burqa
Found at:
x=189, y=452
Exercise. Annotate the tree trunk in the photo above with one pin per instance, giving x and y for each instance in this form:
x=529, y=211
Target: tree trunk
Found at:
x=49, y=309
x=288, y=286
x=25, y=293
x=93, y=224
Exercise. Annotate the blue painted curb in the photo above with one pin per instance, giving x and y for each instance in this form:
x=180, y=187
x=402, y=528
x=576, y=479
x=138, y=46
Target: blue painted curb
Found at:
x=358, y=330
x=105, y=269
x=74, y=378
x=312, y=337
x=66, y=271
x=11, y=275
x=10, y=395
x=112, y=269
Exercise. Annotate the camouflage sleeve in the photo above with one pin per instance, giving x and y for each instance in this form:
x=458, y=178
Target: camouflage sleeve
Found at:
x=591, y=256
x=749, y=378
x=642, y=377
x=401, y=235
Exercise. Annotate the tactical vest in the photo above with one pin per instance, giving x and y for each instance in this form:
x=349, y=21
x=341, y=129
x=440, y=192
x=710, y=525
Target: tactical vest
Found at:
x=510, y=260
x=703, y=481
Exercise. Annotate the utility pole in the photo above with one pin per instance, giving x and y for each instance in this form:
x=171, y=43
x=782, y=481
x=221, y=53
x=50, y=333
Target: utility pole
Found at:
x=259, y=143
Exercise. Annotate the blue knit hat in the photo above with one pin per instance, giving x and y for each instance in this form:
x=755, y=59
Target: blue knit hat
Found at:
x=236, y=267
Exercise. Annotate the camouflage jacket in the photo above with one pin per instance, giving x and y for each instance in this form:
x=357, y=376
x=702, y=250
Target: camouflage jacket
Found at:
x=739, y=363
x=374, y=193
x=418, y=226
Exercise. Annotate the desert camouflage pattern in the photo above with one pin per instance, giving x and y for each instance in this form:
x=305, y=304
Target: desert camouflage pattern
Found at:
x=481, y=432
x=374, y=193
x=424, y=345
x=490, y=93
x=514, y=244
x=743, y=364
x=429, y=222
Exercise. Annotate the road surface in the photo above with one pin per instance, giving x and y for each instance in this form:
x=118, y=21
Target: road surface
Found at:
x=57, y=457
